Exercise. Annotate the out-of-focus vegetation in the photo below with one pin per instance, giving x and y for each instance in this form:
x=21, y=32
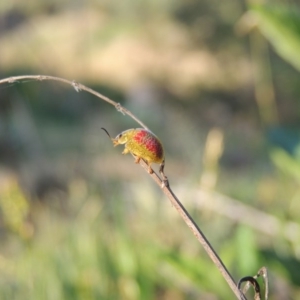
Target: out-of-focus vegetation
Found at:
x=281, y=25
x=80, y=221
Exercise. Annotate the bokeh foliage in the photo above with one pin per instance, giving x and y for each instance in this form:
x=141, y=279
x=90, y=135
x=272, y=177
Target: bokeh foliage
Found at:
x=78, y=220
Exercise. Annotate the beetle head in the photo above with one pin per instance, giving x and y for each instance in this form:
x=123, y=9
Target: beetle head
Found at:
x=121, y=138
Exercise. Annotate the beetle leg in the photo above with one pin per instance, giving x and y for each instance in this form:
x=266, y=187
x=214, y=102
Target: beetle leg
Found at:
x=150, y=171
x=137, y=159
x=125, y=151
x=165, y=181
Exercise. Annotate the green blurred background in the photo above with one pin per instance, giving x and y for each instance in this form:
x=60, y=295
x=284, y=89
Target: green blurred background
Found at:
x=217, y=81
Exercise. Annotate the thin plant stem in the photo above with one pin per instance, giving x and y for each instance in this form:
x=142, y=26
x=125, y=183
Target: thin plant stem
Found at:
x=197, y=232
x=166, y=189
x=77, y=86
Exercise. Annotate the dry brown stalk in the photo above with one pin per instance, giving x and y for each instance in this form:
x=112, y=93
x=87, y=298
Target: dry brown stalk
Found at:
x=167, y=190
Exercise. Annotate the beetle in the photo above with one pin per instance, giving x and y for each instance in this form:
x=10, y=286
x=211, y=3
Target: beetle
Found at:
x=143, y=144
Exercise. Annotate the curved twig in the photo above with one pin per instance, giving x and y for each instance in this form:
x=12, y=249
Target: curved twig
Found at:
x=251, y=280
x=78, y=87
x=166, y=189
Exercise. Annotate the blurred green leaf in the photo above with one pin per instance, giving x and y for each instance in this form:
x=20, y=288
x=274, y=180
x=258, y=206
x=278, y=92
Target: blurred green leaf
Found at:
x=281, y=26
x=199, y=272
x=247, y=254
x=286, y=163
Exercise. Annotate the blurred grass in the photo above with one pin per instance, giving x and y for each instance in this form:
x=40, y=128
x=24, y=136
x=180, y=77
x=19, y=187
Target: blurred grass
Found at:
x=98, y=254
x=133, y=248
x=281, y=25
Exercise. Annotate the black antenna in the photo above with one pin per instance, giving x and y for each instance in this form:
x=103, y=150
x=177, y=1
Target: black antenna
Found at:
x=106, y=132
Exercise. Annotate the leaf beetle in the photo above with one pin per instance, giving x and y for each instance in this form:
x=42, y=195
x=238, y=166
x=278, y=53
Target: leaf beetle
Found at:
x=143, y=144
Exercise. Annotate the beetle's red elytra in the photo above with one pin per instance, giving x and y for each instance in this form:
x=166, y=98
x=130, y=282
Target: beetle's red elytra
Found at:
x=143, y=144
